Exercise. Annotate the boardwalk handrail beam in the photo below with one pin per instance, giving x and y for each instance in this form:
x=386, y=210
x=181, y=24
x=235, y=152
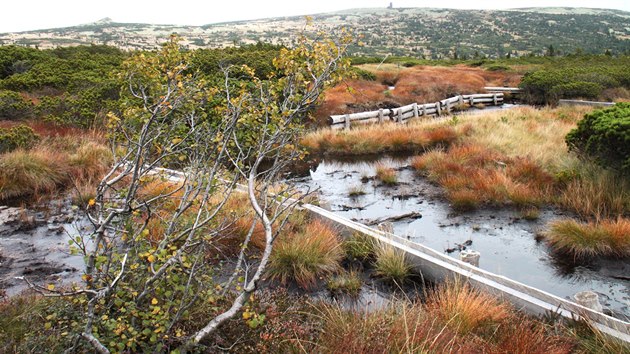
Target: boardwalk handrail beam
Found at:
x=415, y=110
x=503, y=89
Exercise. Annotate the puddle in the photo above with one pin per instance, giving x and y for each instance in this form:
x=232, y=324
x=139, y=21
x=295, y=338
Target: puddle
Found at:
x=506, y=242
x=37, y=250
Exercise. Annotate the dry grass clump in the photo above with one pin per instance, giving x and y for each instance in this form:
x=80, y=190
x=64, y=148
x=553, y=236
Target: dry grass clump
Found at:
x=31, y=173
x=391, y=263
x=594, y=193
x=438, y=327
x=583, y=240
x=350, y=97
x=474, y=175
x=360, y=247
x=348, y=283
x=537, y=134
x=384, y=138
x=90, y=161
x=386, y=174
x=464, y=309
x=306, y=256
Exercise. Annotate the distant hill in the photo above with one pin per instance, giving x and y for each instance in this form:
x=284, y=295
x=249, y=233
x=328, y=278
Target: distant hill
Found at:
x=421, y=32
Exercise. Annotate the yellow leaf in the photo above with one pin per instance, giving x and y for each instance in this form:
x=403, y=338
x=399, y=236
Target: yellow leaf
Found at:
x=154, y=301
x=51, y=287
x=151, y=258
x=91, y=202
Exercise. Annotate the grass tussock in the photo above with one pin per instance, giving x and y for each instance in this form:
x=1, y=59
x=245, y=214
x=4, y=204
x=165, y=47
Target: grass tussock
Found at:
x=348, y=283
x=31, y=173
x=386, y=174
x=582, y=240
x=375, y=139
x=360, y=247
x=90, y=162
x=464, y=309
x=356, y=191
x=594, y=193
x=307, y=256
x=406, y=327
x=64, y=157
x=474, y=175
x=391, y=263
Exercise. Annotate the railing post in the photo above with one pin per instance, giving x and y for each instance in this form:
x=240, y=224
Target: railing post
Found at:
x=470, y=257
x=400, y=115
x=380, y=116
x=472, y=100
x=347, y=121
x=588, y=299
x=438, y=109
x=460, y=101
x=448, y=106
x=494, y=99
x=415, y=110
x=424, y=110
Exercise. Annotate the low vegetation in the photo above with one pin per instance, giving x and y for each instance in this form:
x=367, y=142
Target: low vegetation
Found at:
x=348, y=283
x=54, y=163
x=389, y=138
x=586, y=77
x=360, y=247
x=386, y=174
x=474, y=175
x=420, y=84
x=585, y=240
x=307, y=256
x=455, y=319
x=465, y=310
x=391, y=263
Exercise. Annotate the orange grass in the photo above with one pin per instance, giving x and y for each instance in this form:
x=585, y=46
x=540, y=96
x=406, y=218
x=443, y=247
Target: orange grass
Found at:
x=421, y=84
x=466, y=310
x=383, y=138
x=31, y=173
x=583, y=240
x=386, y=174
x=473, y=175
x=306, y=257
x=456, y=319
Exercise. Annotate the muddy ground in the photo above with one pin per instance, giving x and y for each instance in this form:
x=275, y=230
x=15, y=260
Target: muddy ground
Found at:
x=34, y=245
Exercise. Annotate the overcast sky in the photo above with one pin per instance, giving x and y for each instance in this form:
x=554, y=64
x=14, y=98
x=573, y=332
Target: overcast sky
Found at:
x=24, y=15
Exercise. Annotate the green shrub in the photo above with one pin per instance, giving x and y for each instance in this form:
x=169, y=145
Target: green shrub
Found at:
x=579, y=89
x=21, y=136
x=498, y=67
x=605, y=136
x=362, y=74
x=13, y=106
x=583, y=76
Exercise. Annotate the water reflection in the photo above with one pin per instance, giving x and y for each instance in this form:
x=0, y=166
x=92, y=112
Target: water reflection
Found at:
x=508, y=244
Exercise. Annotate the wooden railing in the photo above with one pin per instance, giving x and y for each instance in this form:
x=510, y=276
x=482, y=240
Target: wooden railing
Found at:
x=414, y=110
x=497, y=89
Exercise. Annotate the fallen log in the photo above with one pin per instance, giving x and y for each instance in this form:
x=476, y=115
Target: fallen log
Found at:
x=410, y=215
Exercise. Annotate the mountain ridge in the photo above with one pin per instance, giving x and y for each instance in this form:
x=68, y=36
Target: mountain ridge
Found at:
x=420, y=32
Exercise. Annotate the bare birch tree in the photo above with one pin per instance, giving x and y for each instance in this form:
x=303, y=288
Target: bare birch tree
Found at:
x=155, y=230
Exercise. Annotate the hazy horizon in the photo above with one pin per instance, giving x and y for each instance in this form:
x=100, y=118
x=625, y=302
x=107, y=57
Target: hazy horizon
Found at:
x=30, y=15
